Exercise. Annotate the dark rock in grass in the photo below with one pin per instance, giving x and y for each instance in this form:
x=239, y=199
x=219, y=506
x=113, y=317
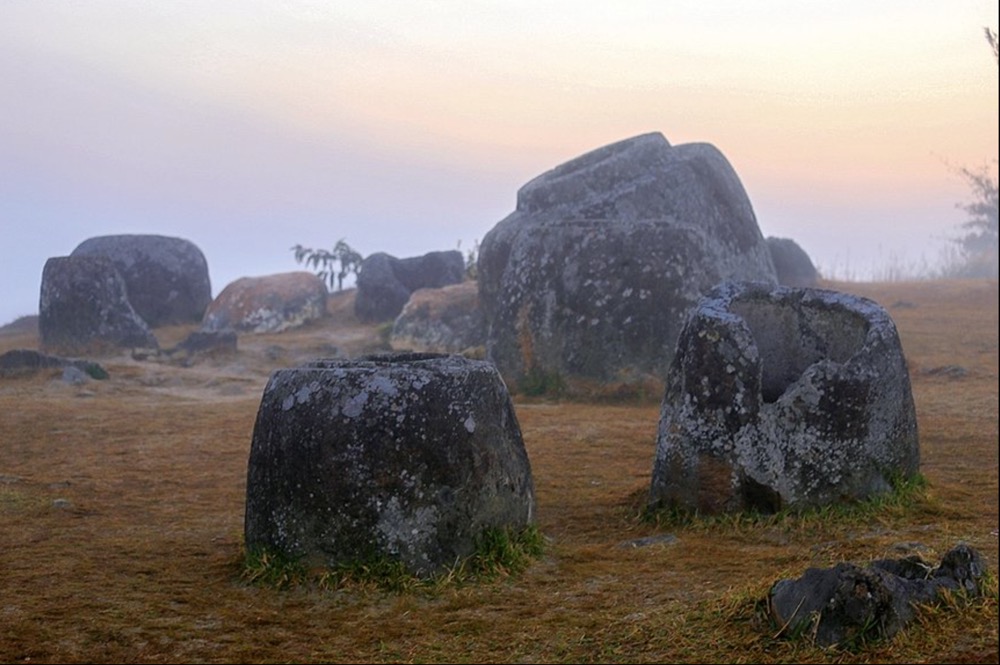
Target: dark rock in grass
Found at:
x=781, y=397
x=19, y=362
x=84, y=309
x=848, y=604
x=406, y=457
x=201, y=344
x=223, y=341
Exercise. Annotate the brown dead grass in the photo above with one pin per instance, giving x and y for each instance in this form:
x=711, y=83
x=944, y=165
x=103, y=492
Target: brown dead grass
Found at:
x=122, y=501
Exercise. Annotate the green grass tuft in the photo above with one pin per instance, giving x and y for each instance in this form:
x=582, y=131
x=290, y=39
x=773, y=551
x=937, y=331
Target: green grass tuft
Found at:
x=264, y=568
x=499, y=552
x=503, y=552
x=538, y=382
x=906, y=493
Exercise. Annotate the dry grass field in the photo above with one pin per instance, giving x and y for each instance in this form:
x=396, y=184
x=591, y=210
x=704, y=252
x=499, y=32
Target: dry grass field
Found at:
x=122, y=502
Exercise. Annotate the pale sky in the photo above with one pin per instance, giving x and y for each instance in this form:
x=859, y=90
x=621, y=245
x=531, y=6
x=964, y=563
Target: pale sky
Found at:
x=248, y=126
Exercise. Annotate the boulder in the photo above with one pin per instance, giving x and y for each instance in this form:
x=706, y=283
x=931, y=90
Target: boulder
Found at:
x=445, y=320
x=406, y=457
x=166, y=278
x=83, y=309
x=267, y=304
x=385, y=283
x=593, y=272
x=782, y=398
x=849, y=604
x=791, y=263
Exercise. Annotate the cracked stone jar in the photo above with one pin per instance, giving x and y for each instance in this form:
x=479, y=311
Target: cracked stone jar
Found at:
x=782, y=397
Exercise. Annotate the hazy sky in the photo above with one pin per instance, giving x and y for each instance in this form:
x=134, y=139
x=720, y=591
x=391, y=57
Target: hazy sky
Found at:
x=407, y=127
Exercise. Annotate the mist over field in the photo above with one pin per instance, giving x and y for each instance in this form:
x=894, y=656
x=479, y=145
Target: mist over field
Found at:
x=249, y=127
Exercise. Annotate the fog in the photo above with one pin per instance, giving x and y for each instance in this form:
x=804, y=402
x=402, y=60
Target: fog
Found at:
x=249, y=127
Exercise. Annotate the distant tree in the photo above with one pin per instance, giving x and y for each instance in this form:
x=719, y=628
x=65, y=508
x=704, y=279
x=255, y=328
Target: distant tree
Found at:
x=343, y=258
x=978, y=246
x=471, y=260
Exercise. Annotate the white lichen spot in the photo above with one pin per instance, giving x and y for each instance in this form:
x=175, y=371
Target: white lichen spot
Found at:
x=303, y=394
x=470, y=424
x=406, y=528
x=384, y=384
x=356, y=405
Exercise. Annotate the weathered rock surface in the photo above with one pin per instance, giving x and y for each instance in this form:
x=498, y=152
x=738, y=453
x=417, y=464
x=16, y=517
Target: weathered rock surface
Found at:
x=445, y=320
x=166, y=278
x=267, y=304
x=403, y=456
x=849, y=603
x=791, y=263
x=83, y=309
x=592, y=274
x=385, y=282
x=780, y=397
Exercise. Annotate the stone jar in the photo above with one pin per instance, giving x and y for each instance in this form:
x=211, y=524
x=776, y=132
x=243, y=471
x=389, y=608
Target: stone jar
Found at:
x=782, y=397
x=400, y=456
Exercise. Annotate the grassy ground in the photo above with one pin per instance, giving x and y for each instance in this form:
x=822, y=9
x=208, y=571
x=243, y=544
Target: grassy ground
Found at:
x=121, y=510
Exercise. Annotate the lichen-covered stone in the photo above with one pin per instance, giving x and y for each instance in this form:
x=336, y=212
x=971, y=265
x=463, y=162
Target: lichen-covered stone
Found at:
x=780, y=397
x=402, y=456
x=83, y=309
x=166, y=278
x=592, y=273
x=445, y=320
x=271, y=303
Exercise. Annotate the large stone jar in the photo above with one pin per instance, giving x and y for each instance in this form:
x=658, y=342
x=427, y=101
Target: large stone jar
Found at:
x=782, y=397
x=406, y=456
